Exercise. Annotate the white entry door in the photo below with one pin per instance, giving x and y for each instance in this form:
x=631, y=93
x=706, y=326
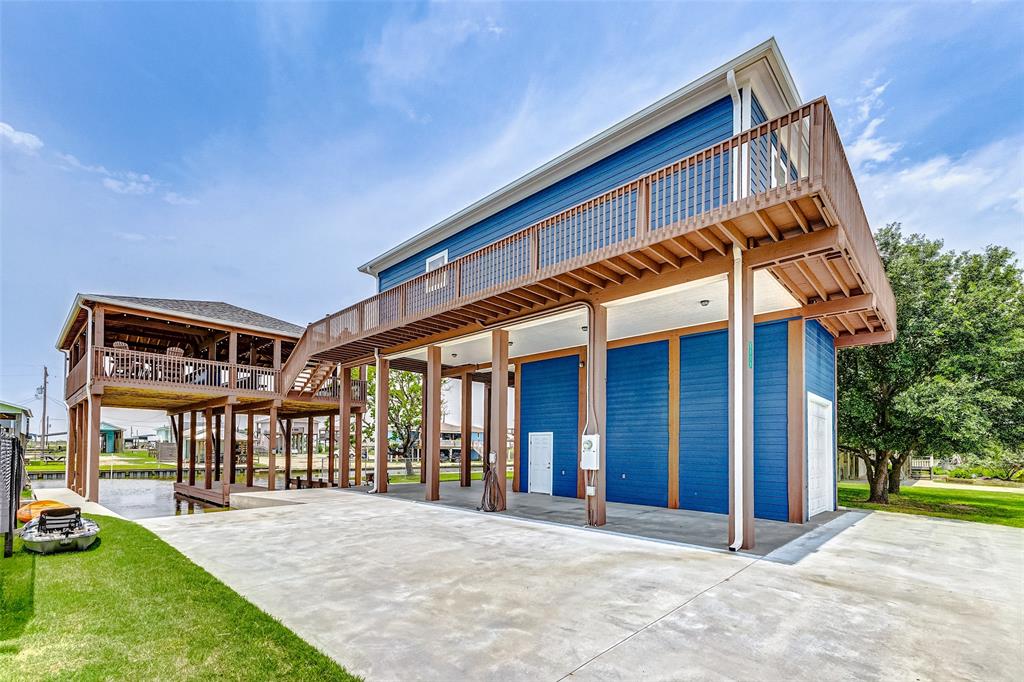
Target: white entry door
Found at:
x=541, y=452
x=820, y=456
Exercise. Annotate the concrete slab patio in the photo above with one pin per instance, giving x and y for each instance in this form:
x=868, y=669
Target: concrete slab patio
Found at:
x=682, y=526
x=394, y=590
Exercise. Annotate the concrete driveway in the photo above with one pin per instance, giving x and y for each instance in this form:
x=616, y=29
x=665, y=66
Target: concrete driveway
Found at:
x=395, y=590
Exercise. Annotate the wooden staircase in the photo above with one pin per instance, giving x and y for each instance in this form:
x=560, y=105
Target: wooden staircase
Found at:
x=315, y=377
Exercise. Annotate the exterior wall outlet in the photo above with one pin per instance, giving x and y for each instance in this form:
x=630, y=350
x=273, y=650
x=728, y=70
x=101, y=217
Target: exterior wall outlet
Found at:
x=590, y=459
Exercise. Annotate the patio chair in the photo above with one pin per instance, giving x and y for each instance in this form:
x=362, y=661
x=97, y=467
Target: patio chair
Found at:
x=171, y=367
x=122, y=366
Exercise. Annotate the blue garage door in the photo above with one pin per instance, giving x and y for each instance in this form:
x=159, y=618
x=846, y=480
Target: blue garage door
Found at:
x=704, y=422
x=550, y=402
x=771, y=420
x=637, y=429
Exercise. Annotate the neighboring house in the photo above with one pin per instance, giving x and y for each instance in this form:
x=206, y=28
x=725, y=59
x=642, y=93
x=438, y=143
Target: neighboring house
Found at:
x=675, y=287
x=111, y=438
x=164, y=434
x=14, y=421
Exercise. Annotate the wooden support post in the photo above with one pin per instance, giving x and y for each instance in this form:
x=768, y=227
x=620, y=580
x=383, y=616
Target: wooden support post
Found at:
x=192, y=448
x=796, y=422
x=499, y=412
x=218, y=447
x=673, y=422
x=310, y=434
x=466, y=458
x=517, y=447
x=486, y=440
x=330, y=450
x=99, y=329
x=180, y=445
x=250, y=448
x=272, y=450
x=208, y=463
x=357, y=434
x=345, y=425
x=228, y=457
x=92, y=488
x=357, y=440
x=380, y=476
x=597, y=372
x=287, y=454
x=69, y=456
x=423, y=425
x=741, y=404
x=233, y=359
x=431, y=426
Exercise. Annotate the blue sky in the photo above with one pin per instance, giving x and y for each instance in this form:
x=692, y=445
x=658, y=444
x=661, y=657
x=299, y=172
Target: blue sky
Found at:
x=258, y=154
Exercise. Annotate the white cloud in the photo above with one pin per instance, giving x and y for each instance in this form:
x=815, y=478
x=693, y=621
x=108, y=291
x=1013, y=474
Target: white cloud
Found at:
x=176, y=199
x=26, y=142
x=868, y=147
x=412, y=52
x=970, y=200
x=130, y=183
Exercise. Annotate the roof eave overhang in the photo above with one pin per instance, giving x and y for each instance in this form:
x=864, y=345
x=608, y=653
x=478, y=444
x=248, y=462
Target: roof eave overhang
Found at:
x=213, y=322
x=683, y=101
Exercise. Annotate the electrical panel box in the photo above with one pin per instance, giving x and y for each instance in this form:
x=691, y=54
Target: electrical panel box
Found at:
x=590, y=459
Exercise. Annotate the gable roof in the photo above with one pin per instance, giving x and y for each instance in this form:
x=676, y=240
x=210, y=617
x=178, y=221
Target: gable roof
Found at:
x=212, y=312
x=670, y=108
x=6, y=406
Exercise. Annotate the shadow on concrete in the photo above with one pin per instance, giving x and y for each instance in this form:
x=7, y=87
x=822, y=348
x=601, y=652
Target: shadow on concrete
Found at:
x=676, y=526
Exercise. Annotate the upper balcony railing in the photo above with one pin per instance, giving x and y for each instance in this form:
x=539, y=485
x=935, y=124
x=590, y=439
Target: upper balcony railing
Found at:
x=139, y=368
x=120, y=365
x=792, y=155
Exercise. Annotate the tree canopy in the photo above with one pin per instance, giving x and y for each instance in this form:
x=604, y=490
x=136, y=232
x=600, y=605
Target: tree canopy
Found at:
x=953, y=380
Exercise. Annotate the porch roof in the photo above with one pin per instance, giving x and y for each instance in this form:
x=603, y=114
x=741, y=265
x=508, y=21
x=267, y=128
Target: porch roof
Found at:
x=215, y=313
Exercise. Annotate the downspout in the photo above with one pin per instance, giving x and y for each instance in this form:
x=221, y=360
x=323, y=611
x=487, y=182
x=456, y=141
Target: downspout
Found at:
x=736, y=409
x=88, y=391
x=737, y=123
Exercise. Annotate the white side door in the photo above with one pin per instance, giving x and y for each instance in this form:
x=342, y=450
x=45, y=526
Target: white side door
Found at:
x=540, y=454
x=820, y=456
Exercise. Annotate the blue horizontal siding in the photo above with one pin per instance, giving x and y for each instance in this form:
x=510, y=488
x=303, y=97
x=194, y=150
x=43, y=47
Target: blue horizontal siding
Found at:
x=819, y=361
x=704, y=422
x=637, y=424
x=549, y=397
x=684, y=137
x=771, y=420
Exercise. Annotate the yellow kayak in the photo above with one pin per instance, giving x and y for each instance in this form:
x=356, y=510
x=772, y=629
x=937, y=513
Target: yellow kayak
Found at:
x=32, y=510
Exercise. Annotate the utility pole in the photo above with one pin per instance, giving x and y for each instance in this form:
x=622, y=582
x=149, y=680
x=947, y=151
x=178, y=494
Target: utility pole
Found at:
x=43, y=422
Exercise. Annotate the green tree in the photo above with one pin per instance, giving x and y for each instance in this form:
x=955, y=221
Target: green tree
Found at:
x=950, y=382
x=405, y=412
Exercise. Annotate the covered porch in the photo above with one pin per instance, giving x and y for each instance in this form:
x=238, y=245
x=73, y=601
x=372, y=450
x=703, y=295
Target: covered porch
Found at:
x=680, y=526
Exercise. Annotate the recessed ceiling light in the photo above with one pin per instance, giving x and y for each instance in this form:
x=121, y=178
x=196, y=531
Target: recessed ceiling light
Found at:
x=704, y=303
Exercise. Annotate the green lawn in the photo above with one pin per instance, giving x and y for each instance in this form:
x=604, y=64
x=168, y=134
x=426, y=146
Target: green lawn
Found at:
x=136, y=459
x=1006, y=509
x=134, y=608
x=445, y=476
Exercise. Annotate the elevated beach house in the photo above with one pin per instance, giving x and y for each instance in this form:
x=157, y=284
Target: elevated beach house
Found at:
x=664, y=303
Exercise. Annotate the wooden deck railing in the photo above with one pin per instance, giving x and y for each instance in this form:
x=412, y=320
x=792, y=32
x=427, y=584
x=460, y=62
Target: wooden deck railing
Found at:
x=120, y=365
x=779, y=159
x=332, y=389
x=77, y=377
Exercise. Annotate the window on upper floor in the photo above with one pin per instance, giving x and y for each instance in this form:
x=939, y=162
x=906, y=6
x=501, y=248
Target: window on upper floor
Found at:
x=440, y=281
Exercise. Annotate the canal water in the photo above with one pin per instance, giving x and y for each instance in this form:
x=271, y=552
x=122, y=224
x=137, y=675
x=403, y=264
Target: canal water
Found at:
x=135, y=498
